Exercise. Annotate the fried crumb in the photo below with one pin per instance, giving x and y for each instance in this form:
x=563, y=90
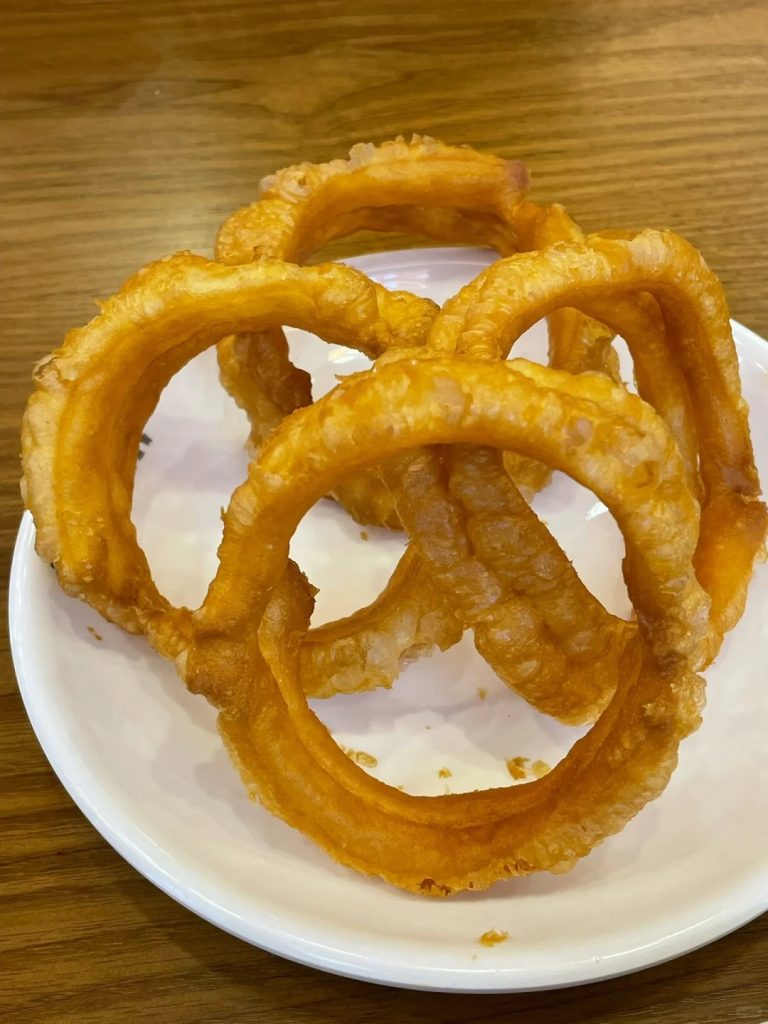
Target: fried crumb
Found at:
x=517, y=767
x=482, y=693
x=444, y=773
x=540, y=768
x=94, y=634
x=360, y=757
x=435, y=888
x=492, y=937
x=363, y=535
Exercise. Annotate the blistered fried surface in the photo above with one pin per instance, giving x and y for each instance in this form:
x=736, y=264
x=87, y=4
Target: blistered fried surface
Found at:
x=298, y=206
x=80, y=442
x=550, y=638
x=408, y=620
x=432, y=417
x=534, y=622
x=485, y=318
x=446, y=193
x=438, y=845
x=464, y=197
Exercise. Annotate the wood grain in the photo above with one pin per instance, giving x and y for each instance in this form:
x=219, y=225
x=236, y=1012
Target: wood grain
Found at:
x=131, y=130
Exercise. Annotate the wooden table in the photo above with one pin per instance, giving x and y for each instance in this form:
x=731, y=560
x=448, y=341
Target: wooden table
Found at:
x=131, y=130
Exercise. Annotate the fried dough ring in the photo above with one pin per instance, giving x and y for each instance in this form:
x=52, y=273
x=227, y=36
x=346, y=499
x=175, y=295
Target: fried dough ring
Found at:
x=445, y=193
x=247, y=665
x=578, y=342
x=485, y=318
x=81, y=430
x=304, y=206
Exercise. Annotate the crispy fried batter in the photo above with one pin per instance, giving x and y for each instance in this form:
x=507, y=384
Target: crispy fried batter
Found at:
x=463, y=840
x=484, y=320
x=436, y=436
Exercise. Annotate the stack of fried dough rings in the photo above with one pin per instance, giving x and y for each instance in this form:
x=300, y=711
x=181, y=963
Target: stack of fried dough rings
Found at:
x=445, y=438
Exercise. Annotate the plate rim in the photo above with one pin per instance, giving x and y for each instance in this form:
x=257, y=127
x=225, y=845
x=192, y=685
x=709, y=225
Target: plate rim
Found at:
x=280, y=941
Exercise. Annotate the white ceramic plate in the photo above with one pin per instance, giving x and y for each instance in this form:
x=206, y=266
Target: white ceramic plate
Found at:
x=142, y=759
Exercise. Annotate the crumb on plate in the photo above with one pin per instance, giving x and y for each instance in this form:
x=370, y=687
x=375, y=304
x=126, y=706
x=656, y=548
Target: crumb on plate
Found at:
x=360, y=757
x=518, y=767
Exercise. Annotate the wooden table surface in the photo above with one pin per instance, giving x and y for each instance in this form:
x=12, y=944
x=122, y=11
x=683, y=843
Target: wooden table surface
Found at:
x=131, y=130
